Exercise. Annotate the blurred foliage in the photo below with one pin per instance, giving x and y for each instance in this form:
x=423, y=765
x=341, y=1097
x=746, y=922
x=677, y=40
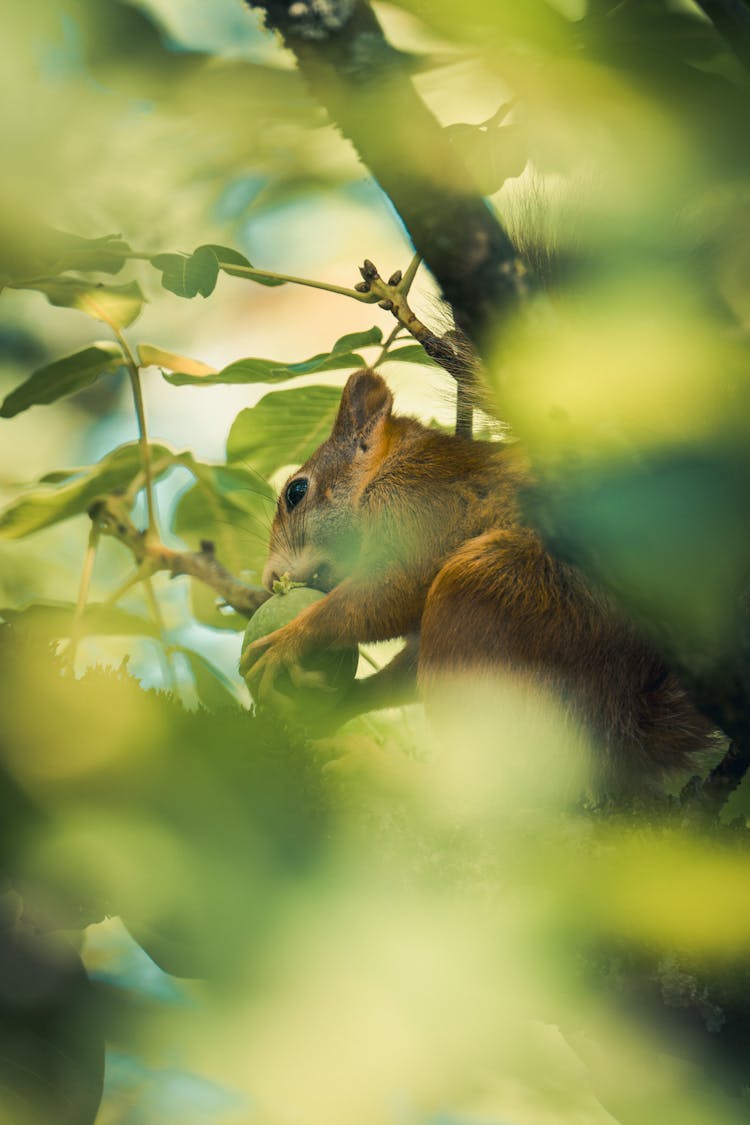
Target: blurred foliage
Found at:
x=393, y=924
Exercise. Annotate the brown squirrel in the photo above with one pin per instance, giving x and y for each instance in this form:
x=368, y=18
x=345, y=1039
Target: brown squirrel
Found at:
x=416, y=533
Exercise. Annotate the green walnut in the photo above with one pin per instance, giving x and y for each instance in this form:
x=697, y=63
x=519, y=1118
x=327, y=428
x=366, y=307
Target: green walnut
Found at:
x=338, y=666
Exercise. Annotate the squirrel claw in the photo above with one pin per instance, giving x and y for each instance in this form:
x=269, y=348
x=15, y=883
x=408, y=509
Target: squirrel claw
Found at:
x=263, y=661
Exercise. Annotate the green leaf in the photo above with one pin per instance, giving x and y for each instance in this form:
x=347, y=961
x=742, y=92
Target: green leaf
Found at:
x=31, y=249
x=119, y=305
x=151, y=356
x=46, y=504
x=187, y=275
x=285, y=428
x=232, y=507
x=225, y=256
x=326, y=361
x=101, y=255
x=228, y=257
x=214, y=689
x=190, y=274
x=411, y=353
x=342, y=353
x=54, y=619
x=254, y=370
x=241, y=371
x=63, y=377
x=204, y=268
x=354, y=340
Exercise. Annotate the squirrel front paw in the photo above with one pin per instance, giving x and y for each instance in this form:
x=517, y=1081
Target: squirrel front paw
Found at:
x=273, y=670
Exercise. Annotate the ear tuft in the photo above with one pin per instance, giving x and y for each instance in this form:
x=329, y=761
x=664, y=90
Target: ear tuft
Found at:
x=365, y=405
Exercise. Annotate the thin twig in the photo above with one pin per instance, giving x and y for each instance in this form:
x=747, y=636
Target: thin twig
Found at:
x=246, y=271
x=112, y=517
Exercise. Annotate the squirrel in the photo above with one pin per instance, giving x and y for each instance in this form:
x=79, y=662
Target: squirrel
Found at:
x=412, y=532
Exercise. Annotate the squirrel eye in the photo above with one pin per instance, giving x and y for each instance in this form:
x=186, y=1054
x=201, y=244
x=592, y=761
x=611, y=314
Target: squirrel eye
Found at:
x=295, y=491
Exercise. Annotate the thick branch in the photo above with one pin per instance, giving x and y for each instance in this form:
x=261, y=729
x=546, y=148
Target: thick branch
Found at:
x=361, y=80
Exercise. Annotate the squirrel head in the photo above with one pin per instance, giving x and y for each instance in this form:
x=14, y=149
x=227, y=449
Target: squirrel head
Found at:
x=317, y=530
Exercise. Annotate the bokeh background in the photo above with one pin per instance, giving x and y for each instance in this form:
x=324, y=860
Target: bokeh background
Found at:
x=403, y=926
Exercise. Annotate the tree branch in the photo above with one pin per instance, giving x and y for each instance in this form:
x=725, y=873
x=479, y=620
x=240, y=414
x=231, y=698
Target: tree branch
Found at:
x=361, y=80
x=111, y=516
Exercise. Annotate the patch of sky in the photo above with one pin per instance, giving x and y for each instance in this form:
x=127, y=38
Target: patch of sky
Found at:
x=293, y=234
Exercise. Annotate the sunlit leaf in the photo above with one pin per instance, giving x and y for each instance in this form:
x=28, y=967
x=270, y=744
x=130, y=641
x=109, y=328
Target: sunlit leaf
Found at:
x=241, y=371
x=119, y=305
x=150, y=356
x=253, y=370
x=46, y=505
x=284, y=428
x=63, y=377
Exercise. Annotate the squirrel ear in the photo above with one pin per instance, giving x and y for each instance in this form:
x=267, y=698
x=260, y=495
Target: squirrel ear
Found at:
x=365, y=404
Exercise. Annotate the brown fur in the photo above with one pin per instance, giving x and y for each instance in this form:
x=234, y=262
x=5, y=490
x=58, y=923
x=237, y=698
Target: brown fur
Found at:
x=411, y=531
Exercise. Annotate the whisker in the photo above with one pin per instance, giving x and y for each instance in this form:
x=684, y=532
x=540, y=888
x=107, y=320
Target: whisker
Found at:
x=263, y=493
x=246, y=529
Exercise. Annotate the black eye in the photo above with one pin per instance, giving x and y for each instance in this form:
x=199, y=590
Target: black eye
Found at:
x=295, y=491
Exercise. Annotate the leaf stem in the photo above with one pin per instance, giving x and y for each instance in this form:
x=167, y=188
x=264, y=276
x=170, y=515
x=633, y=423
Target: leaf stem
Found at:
x=246, y=271
x=135, y=384
x=235, y=270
